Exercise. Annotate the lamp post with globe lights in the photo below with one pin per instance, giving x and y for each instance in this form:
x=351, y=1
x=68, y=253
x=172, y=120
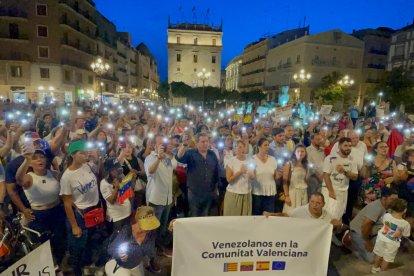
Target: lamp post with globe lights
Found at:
x=380, y=94
x=301, y=78
x=345, y=82
x=203, y=75
x=100, y=68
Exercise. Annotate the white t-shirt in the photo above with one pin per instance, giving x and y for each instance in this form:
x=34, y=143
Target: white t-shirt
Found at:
x=114, y=212
x=339, y=181
x=357, y=153
x=399, y=150
x=303, y=212
x=82, y=185
x=44, y=190
x=241, y=185
x=264, y=183
x=393, y=229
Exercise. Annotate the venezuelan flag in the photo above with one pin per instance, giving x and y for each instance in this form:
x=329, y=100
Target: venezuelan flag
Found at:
x=125, y=189
x=246, y=266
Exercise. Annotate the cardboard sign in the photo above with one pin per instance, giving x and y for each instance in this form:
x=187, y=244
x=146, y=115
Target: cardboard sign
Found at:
x=325, y=110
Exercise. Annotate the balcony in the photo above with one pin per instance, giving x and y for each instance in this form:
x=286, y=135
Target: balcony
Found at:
x=254, y=60
x=122, y=55
x=111, y=78
x=17, y=56
x=13, y=13
x=378, y=52
x=15, y=38
x=252, y=85
x=82, y=14
x=76, y=64
x=76, y=46
x=253, y=72
x=132, y=61
x=122, y=70
x=325, y=62
x=397, y=58
x=74, y=27
x=376, y=66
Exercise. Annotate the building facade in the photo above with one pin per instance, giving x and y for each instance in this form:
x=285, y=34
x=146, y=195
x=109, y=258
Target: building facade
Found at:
x=376, y=47
x=192, y=47
x=319, y=55
x=252, y=73
x=401, y=52
x=48, y=47
x=233, y=74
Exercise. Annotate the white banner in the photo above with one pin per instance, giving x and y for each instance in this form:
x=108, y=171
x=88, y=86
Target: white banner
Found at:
x=325, y=109
x=37, y=262
x=214, y=246
x=283, y=112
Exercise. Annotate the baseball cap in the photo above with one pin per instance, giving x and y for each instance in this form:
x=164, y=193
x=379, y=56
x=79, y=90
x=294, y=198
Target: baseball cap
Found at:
x=146, y=219
x=75, y=146
x=111, y=163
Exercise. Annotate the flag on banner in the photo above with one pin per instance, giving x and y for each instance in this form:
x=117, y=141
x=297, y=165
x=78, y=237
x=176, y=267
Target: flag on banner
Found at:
x=278, y=265
x=262, y=266
x=125, y=189
x=246, y=266
x=230, y=267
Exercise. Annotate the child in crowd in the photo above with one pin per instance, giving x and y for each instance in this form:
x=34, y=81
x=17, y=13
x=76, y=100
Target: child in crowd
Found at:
x=389, y=236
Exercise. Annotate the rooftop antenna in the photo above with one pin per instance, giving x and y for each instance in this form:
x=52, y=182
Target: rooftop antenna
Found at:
x=206, y=18
x=180, y=10
x=194, y=15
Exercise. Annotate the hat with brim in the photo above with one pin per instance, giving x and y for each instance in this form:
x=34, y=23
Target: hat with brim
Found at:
x=146, y=219
x=39, y=151
x=76, y=146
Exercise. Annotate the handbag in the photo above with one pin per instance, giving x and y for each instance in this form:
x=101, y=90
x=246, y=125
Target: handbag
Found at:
x=94, y=217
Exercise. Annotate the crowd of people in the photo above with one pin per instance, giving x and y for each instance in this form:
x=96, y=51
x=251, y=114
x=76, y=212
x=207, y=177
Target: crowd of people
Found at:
x=107, y=180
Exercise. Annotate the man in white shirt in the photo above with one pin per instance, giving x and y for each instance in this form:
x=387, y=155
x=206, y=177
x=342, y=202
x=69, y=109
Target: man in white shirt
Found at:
x=337, y=171
x=159, y=170
x=358, y=152
x=407, y=144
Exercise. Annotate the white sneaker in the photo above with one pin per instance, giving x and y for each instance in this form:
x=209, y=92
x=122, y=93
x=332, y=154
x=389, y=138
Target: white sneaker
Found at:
x=375, y=270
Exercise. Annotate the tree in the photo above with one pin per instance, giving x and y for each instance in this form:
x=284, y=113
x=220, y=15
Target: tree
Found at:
x=163, y=90
x=329, y=91
x=397, y=88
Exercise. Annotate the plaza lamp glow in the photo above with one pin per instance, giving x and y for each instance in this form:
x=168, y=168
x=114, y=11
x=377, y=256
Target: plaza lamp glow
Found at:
x=100, y=68
x=301, y=78
x=203, y=75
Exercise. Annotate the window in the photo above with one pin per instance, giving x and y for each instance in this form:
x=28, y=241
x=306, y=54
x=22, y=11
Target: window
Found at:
x=178, y=69
x=41, y=9
x=44, y=73
x=213, y=70
x=213, y=59
x=43, y=51
x=195, y=40
x=214, y=42
x=79, y=78
x=90, y=79
x=298, y=59
x=195, y=58
x=41, y=31
x=195, y=69
x=334, y=60
x=178, y=40
x=178, y=57
x=14, y=31
x=67, y=75
x=16, y=71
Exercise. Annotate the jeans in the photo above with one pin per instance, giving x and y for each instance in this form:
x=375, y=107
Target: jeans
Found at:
x=263, y=203
x=80, y=249
x=200, y=205
x=353, y=191
x=162, y=213
x=53, y=221
x=359, y=244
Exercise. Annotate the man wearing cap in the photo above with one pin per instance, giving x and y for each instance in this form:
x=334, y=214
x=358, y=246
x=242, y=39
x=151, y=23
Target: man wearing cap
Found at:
x=132, y=244
x=159, y=170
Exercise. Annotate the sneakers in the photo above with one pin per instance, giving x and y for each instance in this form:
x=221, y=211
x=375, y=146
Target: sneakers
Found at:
x=346, y=239
x=167, y=252
x=375, y=270
x=154, y=266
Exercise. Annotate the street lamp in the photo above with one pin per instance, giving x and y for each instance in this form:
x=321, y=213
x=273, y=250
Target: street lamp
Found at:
x=345, y=82
x=203, y=76
x=100, y=68
x=301, y=78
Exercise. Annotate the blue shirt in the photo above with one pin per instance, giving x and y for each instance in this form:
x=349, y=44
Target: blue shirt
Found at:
x=136, y=252
x=202, y=173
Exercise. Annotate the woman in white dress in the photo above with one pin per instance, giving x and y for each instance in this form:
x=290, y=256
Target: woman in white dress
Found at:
x=295, y=184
